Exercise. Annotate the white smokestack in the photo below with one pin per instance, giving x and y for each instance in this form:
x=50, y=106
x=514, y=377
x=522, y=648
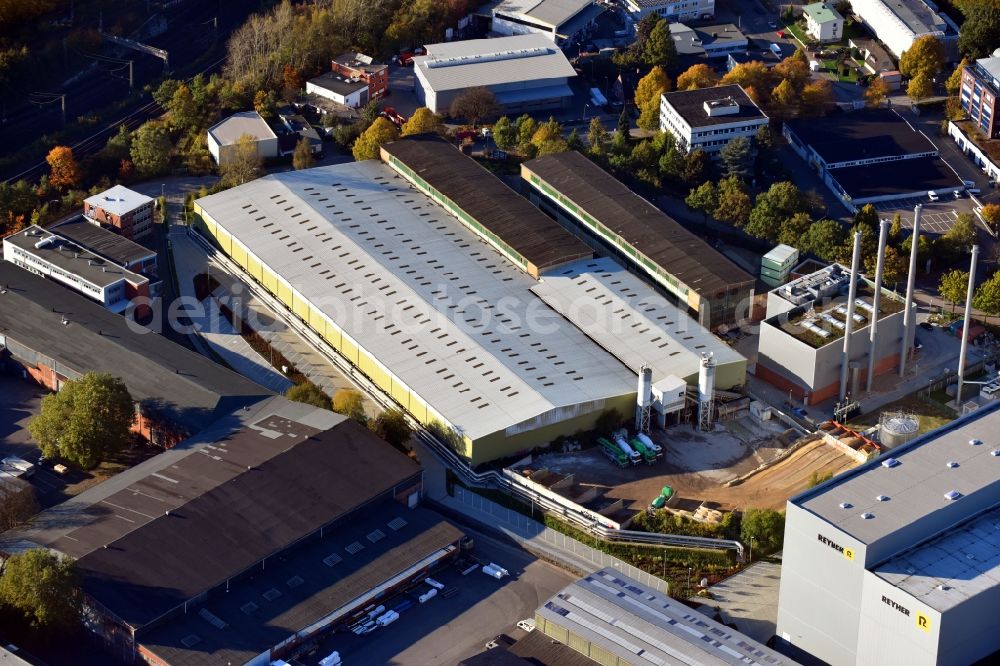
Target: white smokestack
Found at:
x=909, y=316
x=852, y=294
x=882, y=238
x=706, y=391
x=644, y=398
x=965, y=327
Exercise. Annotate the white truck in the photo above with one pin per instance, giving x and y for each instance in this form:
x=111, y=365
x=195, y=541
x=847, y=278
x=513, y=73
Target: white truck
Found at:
x=17, y=467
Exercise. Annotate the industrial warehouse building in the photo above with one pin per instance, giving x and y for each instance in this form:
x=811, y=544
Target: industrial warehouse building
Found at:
x=871, y=156
x=241, y=544
x=526, y=73
x=802, y=339
x=588, y=199
x=896, y=561
x=563, y=22
x=617, y=621
x=454, y=316
x=52, y=335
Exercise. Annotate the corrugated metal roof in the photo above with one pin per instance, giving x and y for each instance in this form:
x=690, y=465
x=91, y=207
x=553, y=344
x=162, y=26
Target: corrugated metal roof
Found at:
x=644, y=626
x=617, y=310
x=653, y=233
x=442, y=310
x=489, y=62
x=487, y=199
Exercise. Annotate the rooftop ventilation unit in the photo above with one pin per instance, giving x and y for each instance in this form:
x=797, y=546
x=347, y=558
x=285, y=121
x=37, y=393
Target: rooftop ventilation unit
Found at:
x=952, y=495
x=951, y=464
x=486, y=57
x=890, y=462
x=846, y=505
x=867, y=516
x=721, y=107
x=975, y=442
x=882, y=498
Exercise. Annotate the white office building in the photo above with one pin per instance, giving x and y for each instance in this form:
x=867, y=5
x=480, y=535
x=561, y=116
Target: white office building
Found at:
x=672, y=10
x=709, y=118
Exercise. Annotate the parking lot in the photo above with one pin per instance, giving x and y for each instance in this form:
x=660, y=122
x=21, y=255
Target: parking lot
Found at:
x=937, y=217
x=446, y=631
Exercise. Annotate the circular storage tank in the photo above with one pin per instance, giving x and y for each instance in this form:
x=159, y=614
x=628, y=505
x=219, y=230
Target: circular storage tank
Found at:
x=897, y=428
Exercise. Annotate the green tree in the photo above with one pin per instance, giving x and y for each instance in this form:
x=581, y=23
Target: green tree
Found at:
x=623, y=125
x=370, y=142
x=868, y=216
x=734, y=202
x=952, y=287
x=894, y=267
x=824, y=239
x=987, y=296
x=793, y=228
x=695, y=167
x=86, y=421
x=766, y=526
x=737, y=158
x=597, y=136
x=182, y=108
x=164, y=93
x=475, y=105
x=773, y=208
x=925, y=56
x=920, y=87
x=672, y=163
x=392, y=426
x=980, y=32
x=526, y=128
x=242, y=163
x=303, y=158
x=418, y=21
x=573, y=141
x=504, y=133
x=151, y=149
x=705, y=198
x=350, y=403
x=369, y=112
x=550, y=130
x=962, y=235
x=954, y=82
x=310, y=394
x=659, y=48
x=896, y=228
x=423, y=121
x=44, y=587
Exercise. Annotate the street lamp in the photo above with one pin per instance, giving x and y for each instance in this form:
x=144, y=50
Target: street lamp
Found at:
x=585, y=107
x=751, y=551
x=689, y=581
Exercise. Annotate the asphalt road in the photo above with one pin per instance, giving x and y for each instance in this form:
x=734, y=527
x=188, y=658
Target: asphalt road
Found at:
x=446, y=631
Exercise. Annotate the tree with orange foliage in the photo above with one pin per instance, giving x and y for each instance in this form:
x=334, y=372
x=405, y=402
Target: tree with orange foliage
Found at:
x=754, y=75
x=65, y=172
x=697, y=76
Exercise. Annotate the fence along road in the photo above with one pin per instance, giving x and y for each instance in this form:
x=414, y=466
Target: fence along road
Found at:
x=561, y=507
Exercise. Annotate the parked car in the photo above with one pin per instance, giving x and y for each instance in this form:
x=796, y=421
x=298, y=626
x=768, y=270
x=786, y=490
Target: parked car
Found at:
x=968, y=183
x=528, y=625
x=932, y=195
x=772, y=24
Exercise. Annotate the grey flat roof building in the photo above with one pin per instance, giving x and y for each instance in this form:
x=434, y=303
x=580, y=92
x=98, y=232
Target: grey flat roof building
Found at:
x=610, y=617
x=338, y=84
x=897, y=560
x=690, y=105
x=862, y=135
x=107, y=244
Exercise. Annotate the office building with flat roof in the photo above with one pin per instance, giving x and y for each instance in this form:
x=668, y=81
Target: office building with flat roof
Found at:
x=980, y=93
x=672, y=10
x=247, y=541
x=526, y=73
x=896, y=561
x=591, y=201
x=709, y=118
x=109, y=245
x=122, y=210
x=58, y=258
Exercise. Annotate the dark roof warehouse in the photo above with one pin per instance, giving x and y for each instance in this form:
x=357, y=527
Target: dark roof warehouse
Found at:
x=508, y=219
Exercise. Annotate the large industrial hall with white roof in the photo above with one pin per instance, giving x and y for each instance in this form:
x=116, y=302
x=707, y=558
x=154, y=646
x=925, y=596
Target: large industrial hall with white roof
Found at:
x=457, y=297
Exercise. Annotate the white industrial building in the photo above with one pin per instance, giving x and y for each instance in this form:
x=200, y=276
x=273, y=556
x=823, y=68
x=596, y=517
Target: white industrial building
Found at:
x=351, y=92
x=526, y=73
x=898, y=23
x=223, y=136
x=709, y=118
x=439, y=318
x=672, y=10
x=823, y=22
x=562, y=22
x=898, y=561
x=58, y=258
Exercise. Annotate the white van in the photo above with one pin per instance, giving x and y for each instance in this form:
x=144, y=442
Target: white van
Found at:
x=932, y=195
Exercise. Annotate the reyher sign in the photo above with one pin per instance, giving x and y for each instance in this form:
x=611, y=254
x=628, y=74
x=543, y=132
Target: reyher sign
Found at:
x=846, y=552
